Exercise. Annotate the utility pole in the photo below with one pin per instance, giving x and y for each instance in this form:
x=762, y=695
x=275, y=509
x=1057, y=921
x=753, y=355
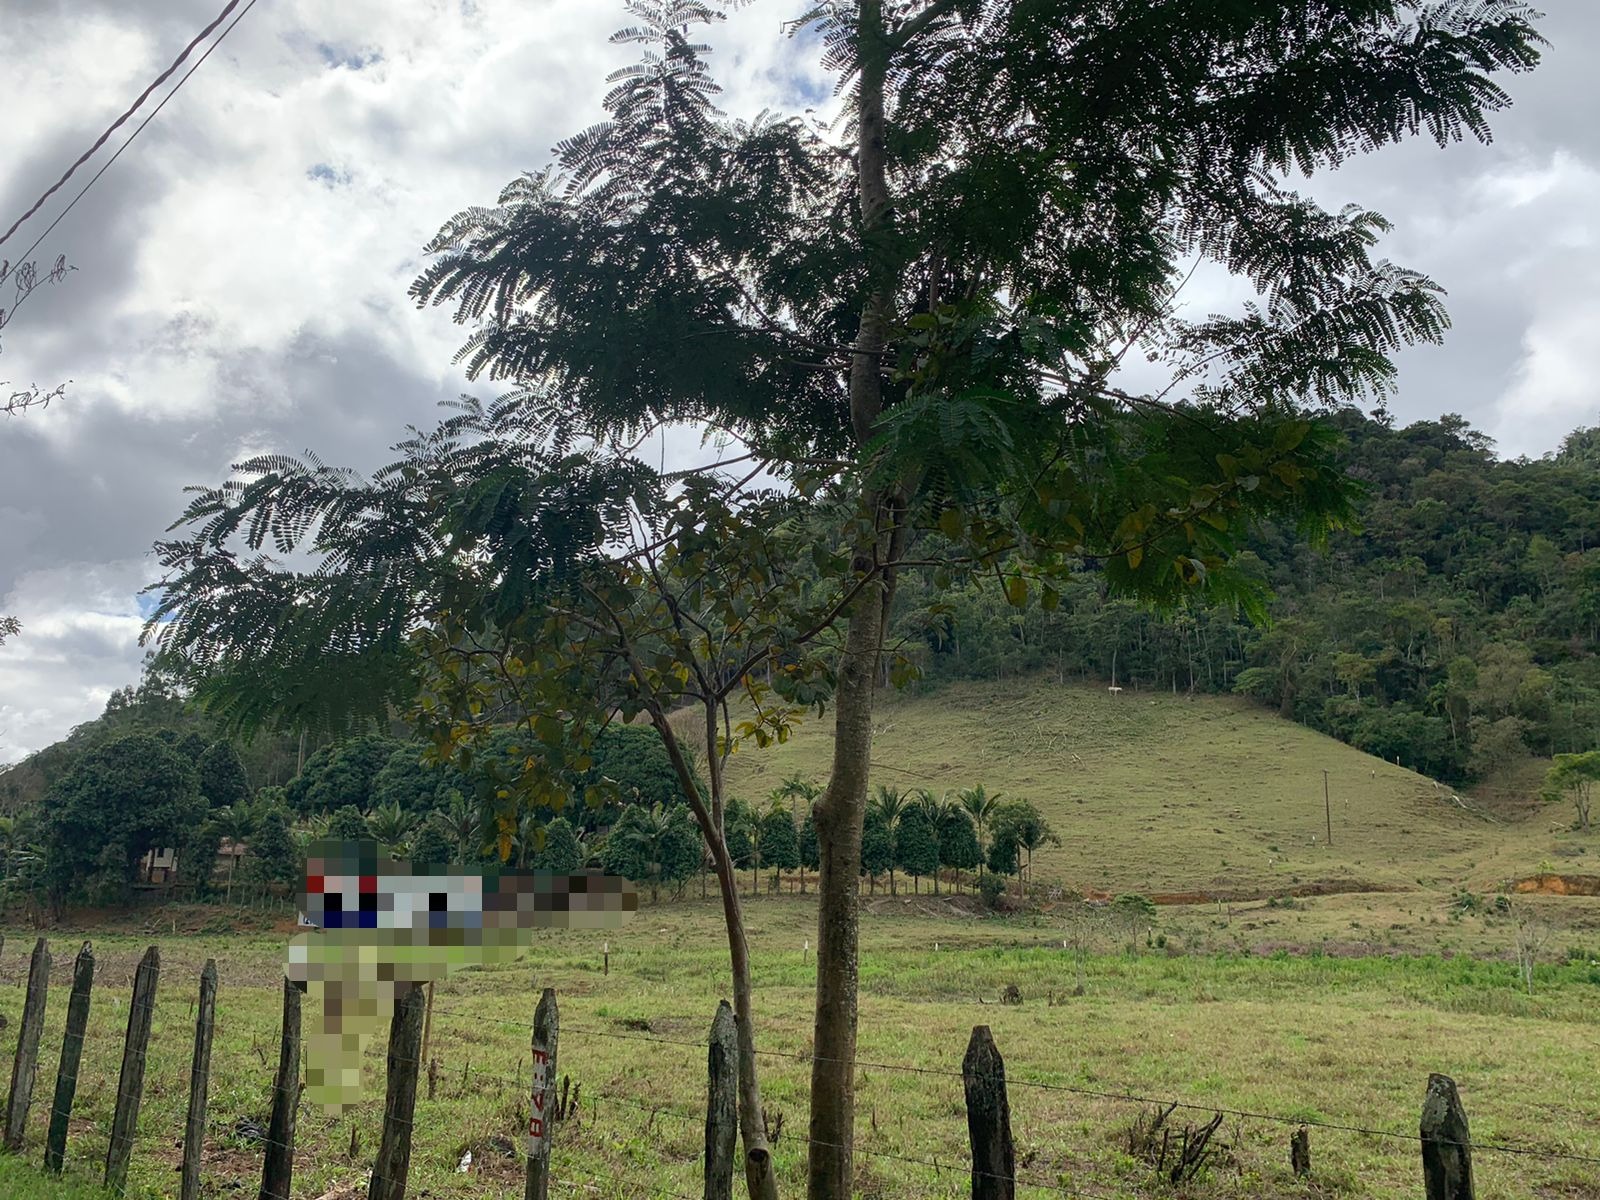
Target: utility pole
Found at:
x=1327, y=806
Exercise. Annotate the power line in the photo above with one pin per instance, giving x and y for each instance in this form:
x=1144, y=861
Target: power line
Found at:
x=24, y=257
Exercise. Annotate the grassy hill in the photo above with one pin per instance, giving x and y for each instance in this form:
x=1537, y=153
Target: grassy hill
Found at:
x=1162, y=793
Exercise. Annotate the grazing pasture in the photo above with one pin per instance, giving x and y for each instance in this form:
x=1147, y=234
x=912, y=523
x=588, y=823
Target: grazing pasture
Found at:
x=1304, y=1037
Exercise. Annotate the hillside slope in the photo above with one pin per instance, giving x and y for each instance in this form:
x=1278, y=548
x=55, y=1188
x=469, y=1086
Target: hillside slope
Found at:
x=1162, y=793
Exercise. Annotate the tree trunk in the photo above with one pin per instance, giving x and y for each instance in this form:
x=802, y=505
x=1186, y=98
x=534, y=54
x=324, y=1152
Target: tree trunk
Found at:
x=840, y=817
x=840, y=813
x=760, y=1177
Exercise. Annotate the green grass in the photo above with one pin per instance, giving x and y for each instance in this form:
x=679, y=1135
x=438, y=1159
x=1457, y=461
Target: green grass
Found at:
x=1344, y=1040
x=22, y=1181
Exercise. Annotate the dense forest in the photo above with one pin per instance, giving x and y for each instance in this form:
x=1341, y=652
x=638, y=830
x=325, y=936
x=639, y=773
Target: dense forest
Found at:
x=1454, y=629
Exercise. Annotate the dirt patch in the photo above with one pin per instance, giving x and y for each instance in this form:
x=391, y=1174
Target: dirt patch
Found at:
x=925, y=906
x=1321, y=887
x=1558, y=885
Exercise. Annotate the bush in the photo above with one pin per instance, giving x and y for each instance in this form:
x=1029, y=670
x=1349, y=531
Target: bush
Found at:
x=273, y=857
x=348, y=825
x=991, y=888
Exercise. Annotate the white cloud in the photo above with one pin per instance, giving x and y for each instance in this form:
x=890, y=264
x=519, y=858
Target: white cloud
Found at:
x=243, y=268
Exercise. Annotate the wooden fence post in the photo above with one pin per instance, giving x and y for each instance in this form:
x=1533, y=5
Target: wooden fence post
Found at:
x=1446, y=1142
x=194, y=1129
x=1300, y=1152
x=277, y=1167
x=983, y=1072
x=541, y=1115
x=405, y=1060
x=722, y=1108
x=26, y=1064
x=55, y=1146
x=130, y=1084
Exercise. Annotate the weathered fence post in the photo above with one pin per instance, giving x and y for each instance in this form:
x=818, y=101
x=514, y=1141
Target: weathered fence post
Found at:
x=405, y=1061
x=277, y=1167
x=194, y=1129
x=1300, y=1152
x=26, y=1064
x=722, y=1108
x=541, y=1115
x=983, y=1072
x=1446, y=1143
x=55, y=1146
x=130, y=1084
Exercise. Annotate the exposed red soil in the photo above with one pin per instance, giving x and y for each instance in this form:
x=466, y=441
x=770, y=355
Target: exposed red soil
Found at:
x=1559, y=885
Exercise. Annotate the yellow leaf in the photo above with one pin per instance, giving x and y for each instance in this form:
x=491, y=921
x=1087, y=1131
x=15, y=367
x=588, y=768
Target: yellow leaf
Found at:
x=1135, y=557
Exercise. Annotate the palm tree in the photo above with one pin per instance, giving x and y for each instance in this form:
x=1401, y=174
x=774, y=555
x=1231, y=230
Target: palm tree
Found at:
x=796, y=789
x=980, y=807
x=890, y=803
x=647, y=832
x=390, y=824
x=462, y=824
x=938, y=810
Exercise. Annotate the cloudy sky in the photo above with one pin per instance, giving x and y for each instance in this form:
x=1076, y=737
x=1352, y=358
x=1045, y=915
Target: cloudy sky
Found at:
x=242, y=269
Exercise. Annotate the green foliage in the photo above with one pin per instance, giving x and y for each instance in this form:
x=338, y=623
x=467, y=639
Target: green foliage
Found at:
x=1002, y=858
x=991, y=887
x=958, y=841
x=122, y=799
x=274, y=857
x=739, y=823
x=407, y=780
x=341, y=774
x=1132, y=913
x=877, y=845
x=655, y=845
x=562, y=851
x=1575, y=776
x=222, y=777
x=916, y=843
x=390, y=825
x=430, y=844
x=348, y=825
x=780, y=843
x=808, y=844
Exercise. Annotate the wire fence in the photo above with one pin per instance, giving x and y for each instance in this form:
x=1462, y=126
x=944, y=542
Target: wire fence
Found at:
x=583, y=1154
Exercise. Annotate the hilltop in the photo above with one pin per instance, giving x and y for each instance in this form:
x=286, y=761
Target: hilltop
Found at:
x=1169, y=794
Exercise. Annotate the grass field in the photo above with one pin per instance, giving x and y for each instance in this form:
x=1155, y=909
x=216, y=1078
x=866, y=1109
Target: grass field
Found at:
x=1328, y=1007
x=1343, y=1040
x=1152, y=792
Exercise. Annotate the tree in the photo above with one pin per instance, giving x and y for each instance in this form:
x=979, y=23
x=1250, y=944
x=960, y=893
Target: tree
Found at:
x=1574, y=776
x=562, y=852
x=121, y=800
x=658, y=844
x=222, y=777
x=341, y=774
x=958, y=842
x=1131, y=913
x=391, y=825
x=1002, y=857
x=432, y=846
x=980, y=806
x=916, y=844
x=922, y=329
x=348, y=825
x=273, y=858
x=780, y=844
x=408, y=782
x=877, y=848
x=1019, y=823
x=462, y=825
x=803, y=791
x=808, y=848
x=890, y=804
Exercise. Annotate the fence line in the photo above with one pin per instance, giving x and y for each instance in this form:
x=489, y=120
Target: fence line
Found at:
x=1122, y=1096
x=1441, y=1134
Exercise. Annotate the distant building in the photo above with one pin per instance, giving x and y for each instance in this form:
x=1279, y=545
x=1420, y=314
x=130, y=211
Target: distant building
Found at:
x=159, y=867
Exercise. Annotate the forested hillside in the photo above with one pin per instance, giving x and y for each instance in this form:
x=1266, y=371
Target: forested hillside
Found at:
x=1454, y=630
